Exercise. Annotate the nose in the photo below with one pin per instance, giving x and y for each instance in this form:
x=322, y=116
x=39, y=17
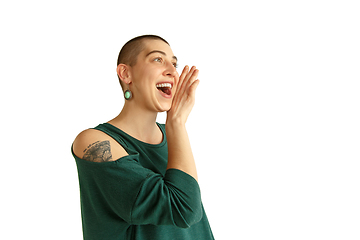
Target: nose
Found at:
x=170, y=71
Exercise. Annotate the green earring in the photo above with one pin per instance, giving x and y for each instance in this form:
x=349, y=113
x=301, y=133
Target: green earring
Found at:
x=128, y=94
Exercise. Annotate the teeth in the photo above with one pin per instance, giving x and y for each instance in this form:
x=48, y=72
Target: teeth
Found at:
x=160, y=85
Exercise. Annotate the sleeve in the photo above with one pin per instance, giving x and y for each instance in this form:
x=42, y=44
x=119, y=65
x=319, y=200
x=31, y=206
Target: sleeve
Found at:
x=140, y=196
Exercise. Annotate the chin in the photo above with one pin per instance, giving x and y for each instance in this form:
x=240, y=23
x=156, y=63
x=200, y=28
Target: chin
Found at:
x=163, y=102
x=165, y=107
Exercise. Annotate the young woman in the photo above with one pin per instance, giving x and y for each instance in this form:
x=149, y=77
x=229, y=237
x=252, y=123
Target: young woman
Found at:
x=138, y=178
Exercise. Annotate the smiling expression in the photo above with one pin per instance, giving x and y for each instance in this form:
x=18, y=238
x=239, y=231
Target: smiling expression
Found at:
x=154, y=77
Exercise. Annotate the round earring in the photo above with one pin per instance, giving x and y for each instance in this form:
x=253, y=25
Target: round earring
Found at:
x=128, y=94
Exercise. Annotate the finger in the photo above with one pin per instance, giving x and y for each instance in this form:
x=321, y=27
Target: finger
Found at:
x=193, y=87
x=192, y=78
x=183, y=73
x=185, y=76
x=189, y=73
x=185, y=70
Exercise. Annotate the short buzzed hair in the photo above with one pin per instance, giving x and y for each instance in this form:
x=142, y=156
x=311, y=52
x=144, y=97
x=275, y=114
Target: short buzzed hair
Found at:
x=130, y=51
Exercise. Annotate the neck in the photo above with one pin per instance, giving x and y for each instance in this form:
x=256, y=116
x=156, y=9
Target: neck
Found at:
x=138, y=122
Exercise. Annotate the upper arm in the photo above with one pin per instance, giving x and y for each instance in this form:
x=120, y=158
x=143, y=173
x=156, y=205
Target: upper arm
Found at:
x=96, y=146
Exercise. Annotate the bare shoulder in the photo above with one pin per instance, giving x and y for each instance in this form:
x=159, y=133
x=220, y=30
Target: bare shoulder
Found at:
x=95, y=146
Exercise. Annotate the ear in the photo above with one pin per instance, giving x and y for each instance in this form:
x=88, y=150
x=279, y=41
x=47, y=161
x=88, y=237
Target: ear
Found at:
x=123, y=72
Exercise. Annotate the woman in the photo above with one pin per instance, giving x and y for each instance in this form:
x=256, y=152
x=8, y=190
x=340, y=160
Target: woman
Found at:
x=138, y=178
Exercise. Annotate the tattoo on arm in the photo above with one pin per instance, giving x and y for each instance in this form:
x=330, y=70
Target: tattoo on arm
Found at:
x=98, y=152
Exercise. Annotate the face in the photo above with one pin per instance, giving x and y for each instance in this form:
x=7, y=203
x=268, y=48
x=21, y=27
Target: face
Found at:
x=154, y=77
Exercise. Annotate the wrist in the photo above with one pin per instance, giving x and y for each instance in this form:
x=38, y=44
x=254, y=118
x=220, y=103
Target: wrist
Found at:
x=175, y=121
x=174, y=124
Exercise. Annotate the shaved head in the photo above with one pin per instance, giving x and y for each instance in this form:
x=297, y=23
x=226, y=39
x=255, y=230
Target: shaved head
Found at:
x=130, y=51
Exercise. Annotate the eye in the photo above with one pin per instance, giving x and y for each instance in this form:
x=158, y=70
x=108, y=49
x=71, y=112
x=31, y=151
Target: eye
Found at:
x=175, y=65
x=158, y=59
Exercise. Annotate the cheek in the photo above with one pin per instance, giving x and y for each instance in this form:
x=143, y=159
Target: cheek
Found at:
x=176, y=78
x=143, y=79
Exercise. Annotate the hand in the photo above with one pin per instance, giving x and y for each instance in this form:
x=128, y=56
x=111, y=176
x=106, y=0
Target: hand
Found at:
x=184, y=98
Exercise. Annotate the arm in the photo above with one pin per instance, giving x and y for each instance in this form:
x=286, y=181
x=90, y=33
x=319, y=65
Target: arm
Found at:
x=95, y=146
x=179, y=150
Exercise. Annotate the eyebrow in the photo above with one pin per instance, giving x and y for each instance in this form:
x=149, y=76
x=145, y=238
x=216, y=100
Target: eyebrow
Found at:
x=161, y=52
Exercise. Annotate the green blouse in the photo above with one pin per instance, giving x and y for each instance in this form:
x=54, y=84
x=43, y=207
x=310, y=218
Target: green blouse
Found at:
x=135, y=197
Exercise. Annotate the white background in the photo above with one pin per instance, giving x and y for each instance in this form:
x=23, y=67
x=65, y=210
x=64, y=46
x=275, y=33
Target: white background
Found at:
x=275, y=129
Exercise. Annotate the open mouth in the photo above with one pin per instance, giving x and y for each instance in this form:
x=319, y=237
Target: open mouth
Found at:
x=164, y=87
